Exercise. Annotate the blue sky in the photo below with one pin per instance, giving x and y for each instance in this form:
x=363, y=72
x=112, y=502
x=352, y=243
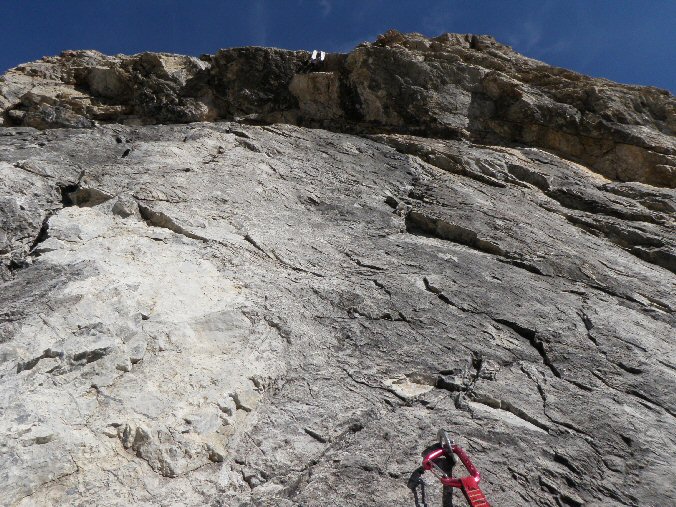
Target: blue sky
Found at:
x=631, y=41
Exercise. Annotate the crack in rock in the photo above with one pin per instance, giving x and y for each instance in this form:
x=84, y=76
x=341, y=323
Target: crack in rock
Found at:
x=32, y=363
x=422, y=224
x=506, y=406
x=159, y=219
x=532, y=338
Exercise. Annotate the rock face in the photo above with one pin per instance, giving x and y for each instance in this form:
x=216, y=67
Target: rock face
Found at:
x=453, y=86
x=254, y=312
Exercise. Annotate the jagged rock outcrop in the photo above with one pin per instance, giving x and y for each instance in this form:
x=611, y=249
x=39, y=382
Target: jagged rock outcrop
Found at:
x=253, y=312
x=452, y=86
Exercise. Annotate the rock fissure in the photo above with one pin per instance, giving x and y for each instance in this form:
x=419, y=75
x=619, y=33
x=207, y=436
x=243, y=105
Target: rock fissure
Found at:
x=159, y=219
x=419, y=223
x=636, y=394
x=532, y=338
x=56, y=480
x=365, y=383
x=508, y=407
x=42, y=236
x=30, y=364
x=529, y=335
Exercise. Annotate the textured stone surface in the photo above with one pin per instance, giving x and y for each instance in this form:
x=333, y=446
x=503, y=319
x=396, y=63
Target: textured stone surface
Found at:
x=453, y=86
x=235, y=314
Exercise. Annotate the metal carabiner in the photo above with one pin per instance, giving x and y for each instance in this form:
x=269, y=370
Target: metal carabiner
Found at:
x=429, y=464
x=469, y=485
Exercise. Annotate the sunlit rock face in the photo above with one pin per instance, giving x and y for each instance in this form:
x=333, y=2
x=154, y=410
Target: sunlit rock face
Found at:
x=252, y=279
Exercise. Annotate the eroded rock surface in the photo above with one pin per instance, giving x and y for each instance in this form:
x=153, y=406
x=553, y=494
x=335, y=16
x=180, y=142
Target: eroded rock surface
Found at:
x=453, y=86
x=221, y=313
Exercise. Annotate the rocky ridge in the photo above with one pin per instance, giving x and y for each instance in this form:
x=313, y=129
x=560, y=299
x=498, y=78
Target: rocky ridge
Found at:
x=242, y=279
x=453, y=86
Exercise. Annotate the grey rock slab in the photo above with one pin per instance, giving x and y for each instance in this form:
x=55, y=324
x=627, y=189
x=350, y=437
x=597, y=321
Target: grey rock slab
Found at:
x=200, y=322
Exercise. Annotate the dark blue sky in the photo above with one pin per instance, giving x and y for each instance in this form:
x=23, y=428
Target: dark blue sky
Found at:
x=630, y=41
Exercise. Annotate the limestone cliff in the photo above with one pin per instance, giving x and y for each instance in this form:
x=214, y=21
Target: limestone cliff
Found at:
x=244, y=279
